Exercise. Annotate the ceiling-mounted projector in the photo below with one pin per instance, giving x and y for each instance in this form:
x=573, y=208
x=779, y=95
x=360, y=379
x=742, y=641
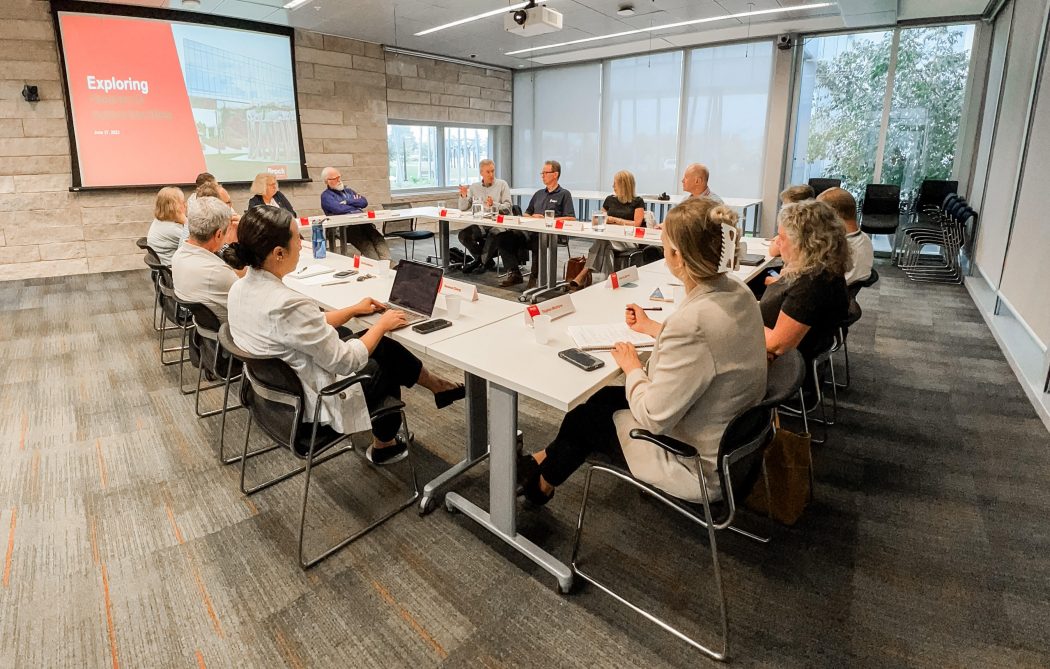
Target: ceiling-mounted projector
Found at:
x=532, y=20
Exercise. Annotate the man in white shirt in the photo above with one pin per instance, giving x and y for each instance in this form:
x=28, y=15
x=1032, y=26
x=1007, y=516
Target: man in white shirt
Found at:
x=859, y=243
x=198, y=273
x=494, y=195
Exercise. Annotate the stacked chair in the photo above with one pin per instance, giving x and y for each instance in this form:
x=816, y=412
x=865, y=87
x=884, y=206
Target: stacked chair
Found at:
x=930, y=248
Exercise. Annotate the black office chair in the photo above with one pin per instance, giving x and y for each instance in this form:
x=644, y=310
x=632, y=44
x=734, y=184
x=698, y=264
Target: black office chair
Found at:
x=215, y=362
x=275, y=399
x=881, y=211
x=740, y=466
x=173, y=314
x=932, y=193
x=820, y=185
x=407, y=231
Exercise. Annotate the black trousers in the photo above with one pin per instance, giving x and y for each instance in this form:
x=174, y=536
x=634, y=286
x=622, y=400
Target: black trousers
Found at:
x=392, y=367
x=585, y=430
x=514, y=247
x=479, y=241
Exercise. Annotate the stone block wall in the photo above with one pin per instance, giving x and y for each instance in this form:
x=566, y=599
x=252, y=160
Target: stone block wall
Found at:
x=347, y=90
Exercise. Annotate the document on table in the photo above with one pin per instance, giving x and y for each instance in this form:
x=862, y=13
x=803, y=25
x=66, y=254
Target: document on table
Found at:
x=603, y=337
x=307, y=271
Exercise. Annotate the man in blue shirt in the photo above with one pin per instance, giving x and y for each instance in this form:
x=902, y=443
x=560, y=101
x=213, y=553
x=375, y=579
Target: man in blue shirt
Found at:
x=514, y=245
x=338, y=199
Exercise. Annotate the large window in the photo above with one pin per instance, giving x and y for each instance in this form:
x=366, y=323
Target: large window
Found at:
x=433, y=156
x=881, y=107
x=726, y=100
x=652, y=115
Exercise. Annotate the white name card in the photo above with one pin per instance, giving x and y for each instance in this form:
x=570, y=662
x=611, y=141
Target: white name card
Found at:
x=625, y=275
x=467, y=291
x=575, y=226
x=508, y=220
x=556, y=308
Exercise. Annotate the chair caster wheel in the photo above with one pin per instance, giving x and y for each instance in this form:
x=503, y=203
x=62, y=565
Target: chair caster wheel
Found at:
x=564, y=591
x=427, y=505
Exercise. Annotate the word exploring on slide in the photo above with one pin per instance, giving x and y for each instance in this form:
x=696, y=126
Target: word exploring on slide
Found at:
x=157, y=102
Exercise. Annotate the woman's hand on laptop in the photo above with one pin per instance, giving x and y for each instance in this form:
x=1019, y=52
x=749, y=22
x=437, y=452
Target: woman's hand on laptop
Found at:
x=392, y=319
x=367, y=306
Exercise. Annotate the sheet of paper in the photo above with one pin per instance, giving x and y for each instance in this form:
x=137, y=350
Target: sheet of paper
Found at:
x=603, y=336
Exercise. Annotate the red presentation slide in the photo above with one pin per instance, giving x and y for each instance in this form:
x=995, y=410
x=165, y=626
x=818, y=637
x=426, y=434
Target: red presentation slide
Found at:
x=131, y=110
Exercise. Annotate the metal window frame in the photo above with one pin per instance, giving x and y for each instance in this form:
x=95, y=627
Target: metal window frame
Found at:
x=440, y=149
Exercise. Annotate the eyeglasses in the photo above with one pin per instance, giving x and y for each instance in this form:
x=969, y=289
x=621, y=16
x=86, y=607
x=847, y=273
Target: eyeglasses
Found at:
x=335, y=178
x=547, y=172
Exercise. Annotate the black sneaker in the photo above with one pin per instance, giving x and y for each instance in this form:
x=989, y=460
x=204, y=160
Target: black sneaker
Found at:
x=527, y=468
x=471, y=266
x=489, y=266
x=388, y=455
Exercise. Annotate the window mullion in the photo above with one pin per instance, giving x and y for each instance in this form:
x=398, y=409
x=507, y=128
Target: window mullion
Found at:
x=887, y=104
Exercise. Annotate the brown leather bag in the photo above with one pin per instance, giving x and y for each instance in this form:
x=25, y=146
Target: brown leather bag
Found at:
x=573, y=267
x=789, y=467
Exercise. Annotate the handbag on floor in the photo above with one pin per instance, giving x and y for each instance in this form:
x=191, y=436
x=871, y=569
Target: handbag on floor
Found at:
x=789, y=468
x=573, y=267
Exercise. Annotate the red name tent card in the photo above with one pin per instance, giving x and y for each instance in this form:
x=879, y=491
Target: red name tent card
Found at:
x=499, y=218
x=443, y=212
x=467, y=291
x=371, y=214
x=624, y=276
x=639, y=233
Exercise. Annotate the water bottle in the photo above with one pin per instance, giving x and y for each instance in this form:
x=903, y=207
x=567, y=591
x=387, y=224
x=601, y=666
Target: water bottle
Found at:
x=317, y=233
x=476, y=208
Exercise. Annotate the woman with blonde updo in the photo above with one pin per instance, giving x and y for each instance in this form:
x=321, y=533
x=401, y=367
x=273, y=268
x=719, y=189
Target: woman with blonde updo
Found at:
x=708, y=365
x=169, y=221
x=804, y=307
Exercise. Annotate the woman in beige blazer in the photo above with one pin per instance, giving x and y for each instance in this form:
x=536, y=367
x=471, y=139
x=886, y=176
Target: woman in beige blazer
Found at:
x=708, y=365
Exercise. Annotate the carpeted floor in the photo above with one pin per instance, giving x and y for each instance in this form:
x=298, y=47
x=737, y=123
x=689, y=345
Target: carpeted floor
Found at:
x=125, y=543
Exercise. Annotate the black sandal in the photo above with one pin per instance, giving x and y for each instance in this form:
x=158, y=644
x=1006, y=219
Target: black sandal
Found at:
x=443, y=398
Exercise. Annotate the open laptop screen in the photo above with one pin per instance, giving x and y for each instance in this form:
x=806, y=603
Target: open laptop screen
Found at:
x=416, y=286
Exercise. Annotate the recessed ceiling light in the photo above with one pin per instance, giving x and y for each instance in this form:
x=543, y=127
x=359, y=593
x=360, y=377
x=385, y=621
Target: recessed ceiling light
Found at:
x=191, y=4
x=484, y=15
x=625, y=10
x=679, y=24
x=295, y=3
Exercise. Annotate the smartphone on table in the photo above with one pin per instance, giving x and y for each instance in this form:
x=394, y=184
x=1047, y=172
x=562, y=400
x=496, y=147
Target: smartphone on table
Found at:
x=581, y=359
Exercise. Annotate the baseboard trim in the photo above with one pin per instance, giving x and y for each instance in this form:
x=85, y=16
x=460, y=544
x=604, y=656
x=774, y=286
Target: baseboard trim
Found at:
x=1024, y=352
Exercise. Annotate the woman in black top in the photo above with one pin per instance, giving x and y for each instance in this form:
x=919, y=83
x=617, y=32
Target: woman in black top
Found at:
x=805, y=306
x=622, y=208
x=265, y=193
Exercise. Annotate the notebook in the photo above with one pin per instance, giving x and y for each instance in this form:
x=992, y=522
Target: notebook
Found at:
x=602, y=337
x=315, y=269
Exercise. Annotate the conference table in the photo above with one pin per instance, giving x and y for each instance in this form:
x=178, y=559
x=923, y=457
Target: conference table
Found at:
x=502, y=360
x=590, y=201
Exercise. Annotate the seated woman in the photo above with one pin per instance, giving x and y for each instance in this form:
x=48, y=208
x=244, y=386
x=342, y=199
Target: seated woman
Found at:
x=265, y=193
x=268, y=318
x=623, y=207
x=803, y=308
x=708, y=365
x=169, y=222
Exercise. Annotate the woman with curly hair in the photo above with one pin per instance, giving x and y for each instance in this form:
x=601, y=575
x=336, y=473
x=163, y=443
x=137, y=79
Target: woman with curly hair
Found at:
x=805, y=306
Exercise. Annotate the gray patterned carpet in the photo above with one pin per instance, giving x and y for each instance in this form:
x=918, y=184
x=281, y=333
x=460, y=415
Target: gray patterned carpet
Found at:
x=125, y=544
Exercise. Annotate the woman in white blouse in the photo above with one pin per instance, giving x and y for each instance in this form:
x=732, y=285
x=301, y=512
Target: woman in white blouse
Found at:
x=708, y=365
x=169, y=222
x=269, y=319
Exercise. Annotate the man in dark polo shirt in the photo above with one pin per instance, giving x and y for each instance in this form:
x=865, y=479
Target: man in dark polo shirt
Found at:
x=514, y=245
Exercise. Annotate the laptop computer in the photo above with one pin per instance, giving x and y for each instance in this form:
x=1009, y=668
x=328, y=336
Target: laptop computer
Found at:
x=415, y=291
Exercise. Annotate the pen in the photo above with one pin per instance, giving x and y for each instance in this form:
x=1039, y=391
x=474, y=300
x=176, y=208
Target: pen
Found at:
x=652, y=308
x=334, y=283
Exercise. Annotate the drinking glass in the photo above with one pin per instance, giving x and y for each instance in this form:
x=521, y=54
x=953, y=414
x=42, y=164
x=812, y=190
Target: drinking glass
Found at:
x=548, y=218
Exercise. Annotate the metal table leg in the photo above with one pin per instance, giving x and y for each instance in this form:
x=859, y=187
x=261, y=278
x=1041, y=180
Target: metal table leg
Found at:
x=476, y=442
x=541, y=269
x=443, y=233
x=501, y=519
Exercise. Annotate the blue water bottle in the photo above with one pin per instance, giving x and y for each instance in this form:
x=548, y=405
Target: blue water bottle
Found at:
x=317, y=232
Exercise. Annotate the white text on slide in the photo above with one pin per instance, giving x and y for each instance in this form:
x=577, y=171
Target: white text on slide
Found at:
x=114, y=84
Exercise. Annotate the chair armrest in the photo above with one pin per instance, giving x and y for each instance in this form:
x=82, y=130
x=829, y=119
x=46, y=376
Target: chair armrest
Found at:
x=669, y=444
x=340, y=386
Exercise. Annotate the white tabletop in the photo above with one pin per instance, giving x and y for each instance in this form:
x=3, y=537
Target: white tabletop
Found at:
x=735, y=202
x=618, y=233
x=506, y=352
x=755, y=245
x=473, y=315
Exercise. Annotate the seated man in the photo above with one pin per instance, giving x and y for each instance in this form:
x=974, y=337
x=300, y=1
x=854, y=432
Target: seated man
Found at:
x=198, y=273
x=494, y=195
x=861, y=250
x=694, y=182
x=338, y=199
x=514, y=245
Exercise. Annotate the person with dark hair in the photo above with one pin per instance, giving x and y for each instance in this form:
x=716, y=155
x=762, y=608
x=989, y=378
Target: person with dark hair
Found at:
x=861, y=251
x=707, y=366
x=270, y=319
x=514, y=246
